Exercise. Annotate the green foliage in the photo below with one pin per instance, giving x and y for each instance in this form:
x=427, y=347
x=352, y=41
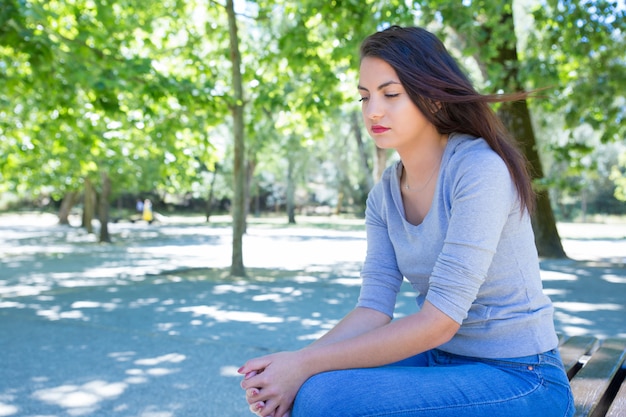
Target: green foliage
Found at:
x=618, y=175
x=142, y=89
x=98, y=86
x=578, y=50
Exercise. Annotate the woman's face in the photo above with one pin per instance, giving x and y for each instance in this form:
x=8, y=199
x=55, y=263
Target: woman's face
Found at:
x=391, y=118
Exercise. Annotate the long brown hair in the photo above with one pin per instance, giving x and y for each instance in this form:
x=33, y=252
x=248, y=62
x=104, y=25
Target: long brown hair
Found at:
x=444, y=94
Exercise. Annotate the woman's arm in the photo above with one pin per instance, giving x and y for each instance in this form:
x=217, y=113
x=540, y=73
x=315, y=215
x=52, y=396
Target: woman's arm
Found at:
x=280, y=375
x=358, y=321
x=385, y=344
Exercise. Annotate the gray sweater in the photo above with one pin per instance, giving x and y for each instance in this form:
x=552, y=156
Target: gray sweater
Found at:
x=473, y=257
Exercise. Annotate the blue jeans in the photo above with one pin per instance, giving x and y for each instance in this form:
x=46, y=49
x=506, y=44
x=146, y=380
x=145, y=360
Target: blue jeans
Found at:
x=437, y=384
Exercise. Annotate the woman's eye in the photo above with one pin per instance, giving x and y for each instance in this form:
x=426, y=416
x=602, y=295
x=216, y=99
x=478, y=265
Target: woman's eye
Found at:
x=392, y=95
x=362, y=99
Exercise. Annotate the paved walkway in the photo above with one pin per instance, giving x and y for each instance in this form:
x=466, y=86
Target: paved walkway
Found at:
x=150, y=326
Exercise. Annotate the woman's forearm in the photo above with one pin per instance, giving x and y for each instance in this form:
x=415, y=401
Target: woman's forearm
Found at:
x=358, y=321
x=382, y=344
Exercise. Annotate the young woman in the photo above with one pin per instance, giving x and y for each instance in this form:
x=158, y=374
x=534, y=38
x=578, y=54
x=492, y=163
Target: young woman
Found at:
x=452, y=217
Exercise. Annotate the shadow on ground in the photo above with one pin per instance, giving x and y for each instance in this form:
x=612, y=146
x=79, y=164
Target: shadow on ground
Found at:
x=153, y=326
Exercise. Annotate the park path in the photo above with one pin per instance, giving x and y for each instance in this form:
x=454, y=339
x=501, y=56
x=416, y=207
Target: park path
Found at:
x=149, y=326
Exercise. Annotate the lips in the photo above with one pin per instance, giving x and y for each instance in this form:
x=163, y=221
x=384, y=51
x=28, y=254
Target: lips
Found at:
x=379, y=129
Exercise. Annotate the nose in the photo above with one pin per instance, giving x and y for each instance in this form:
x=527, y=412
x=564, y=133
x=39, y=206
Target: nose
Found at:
x=373, y=109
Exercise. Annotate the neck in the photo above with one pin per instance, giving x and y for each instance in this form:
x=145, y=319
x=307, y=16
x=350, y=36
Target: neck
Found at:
x=421, y=163
x=411, y=186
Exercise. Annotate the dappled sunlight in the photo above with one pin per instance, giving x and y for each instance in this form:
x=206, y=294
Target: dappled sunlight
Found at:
x=171, y=358
x=122, y=356
x=153, y=325
x=598, y=310
x=320, y=327
x=38, y=259
x=231, y=288
x=55, y=313
x=550, y=292
x=230, y=371
x=353, y=282
x=226, y=315
x=142, y=302
x=614, y=279
x=581, y=307
x=24, y=290
x=583, y=318
x=86, y=398
x=305, y=279
x=80, y=399
x=280, y=295
x=276, y=298
x=557, y=276
x=94, y=304
x=8, y=410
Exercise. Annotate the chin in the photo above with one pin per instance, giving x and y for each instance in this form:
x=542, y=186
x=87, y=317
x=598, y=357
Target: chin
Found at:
x=383, y=144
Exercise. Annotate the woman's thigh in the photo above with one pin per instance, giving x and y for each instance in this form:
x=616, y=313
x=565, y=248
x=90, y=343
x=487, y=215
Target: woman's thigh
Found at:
x=447, y=385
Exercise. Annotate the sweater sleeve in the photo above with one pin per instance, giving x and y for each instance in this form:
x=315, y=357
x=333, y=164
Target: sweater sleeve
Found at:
x=381, y=278
x=482, y=196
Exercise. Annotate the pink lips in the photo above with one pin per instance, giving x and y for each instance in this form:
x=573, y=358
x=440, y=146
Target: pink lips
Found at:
x=379, y=129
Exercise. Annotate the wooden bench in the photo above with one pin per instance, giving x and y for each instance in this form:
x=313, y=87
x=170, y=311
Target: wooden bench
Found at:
x=596, y=370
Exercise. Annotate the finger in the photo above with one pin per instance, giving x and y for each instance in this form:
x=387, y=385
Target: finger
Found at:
x=257, y=407
x=252, y=395
x=245, y=384
x=252, y=392
x=268, y=410
x=256, y=364
x=280, y=411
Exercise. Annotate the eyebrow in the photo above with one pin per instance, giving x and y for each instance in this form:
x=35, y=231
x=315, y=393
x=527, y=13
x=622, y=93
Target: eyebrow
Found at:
x=380, y=87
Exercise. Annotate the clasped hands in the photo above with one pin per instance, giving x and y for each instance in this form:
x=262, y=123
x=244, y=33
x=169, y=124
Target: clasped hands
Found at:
x=271, y=383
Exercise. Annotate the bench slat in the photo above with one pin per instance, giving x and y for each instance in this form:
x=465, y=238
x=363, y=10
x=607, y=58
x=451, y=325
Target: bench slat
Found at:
x=573, y=349
x=593, y=380
x=618, y=407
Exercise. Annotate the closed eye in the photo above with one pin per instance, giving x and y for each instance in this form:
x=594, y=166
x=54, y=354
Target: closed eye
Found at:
x=362, y=99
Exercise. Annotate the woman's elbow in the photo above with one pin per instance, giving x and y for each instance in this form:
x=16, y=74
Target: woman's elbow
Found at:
x=444, y=327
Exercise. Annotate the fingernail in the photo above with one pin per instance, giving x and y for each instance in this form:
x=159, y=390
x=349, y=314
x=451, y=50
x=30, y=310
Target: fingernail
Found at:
x=260, y=405
x=250, y=374
x=240, y=370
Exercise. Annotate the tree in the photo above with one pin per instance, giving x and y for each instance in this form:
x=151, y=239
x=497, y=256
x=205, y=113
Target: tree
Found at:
x=485, y=31
x=577, y=48
x=237, y=106
x=110, y=95
x=574, y=48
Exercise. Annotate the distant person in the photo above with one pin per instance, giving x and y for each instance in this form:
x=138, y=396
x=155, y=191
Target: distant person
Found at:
x=139, y=206
x=147, y=211
x=452, y=216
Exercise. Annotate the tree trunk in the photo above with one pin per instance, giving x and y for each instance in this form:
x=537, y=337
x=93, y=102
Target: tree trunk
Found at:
x=291, y=190
x=250, y=167
x=237, y=268
x=381, y=163
x=89, y=206
x=516, y=118
x=103, y=210
x=356, y=127
x=69, y=200
x=209, y=203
